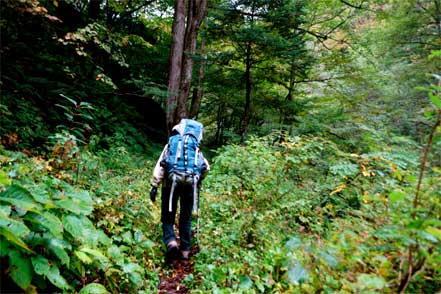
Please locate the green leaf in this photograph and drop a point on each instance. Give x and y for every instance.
(40, 195)
(49, 221)
(397, 196)
(131, 267)
(5, 211)
(78, 202)
(245, 282)
(370, 281)
(12, 238)
(57, 246)
(18, 228)
(55, 278)
(436, 99)
(115, 253)
(20, 269)
(297, 274)
(41, 265)
(69, 99)
(434, 232)
(4, 179)
(83, 257)
(19, 197)
(93, 288)
(98, 255)
(81, 228)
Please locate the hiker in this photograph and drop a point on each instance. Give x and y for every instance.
(180, 168)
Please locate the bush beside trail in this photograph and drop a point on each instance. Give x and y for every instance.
(303, 216)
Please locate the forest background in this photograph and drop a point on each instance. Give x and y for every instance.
(322, 123)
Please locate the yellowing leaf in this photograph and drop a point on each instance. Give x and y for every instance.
(4, 179)
(338, 189)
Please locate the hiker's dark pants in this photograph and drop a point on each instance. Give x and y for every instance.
(185, 196)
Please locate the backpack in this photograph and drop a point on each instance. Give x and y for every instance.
(183, 162)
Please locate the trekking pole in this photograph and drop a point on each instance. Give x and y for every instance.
(198, 215)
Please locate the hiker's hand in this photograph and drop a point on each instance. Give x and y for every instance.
(153, 192)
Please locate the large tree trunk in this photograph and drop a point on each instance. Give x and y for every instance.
(198, 91)
(196, 13)
(176, 53)
(181, 57)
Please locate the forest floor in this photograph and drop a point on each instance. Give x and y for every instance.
(171, 279)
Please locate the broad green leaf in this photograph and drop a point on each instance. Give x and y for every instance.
(115, 253)
(435, 54)
(434, 232)
(41, 265)
(76, 205)
(297, 274)
(19, 197)
(245, 282)
(40, 194)
(55, 278)
(98, 255)
(69, 204)
(103, 239)
(49, 221)
(4, 179)
(344, 169)
(71, 224)
(81, 228)
(435, 99)
(13, 239)
(370, 281)
(83, 257)
(17, 227)
(127, 237)
(93, 288)
(57, 246)
(5, 211)
(20, 269)
(131, 267)
(397, 196)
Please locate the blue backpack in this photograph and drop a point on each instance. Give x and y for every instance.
(183, 162)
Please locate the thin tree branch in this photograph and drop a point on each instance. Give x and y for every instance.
(360, 6)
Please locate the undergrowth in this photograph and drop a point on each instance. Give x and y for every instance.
(302, 216)
(278, 215)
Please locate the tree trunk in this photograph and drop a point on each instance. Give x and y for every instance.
(198, 91)
(248, 87)
(196, 13)
(181, 57)
(176, 53)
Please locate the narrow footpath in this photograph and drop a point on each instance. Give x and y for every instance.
(171, 280)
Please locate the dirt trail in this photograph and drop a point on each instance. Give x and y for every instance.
(171, 280)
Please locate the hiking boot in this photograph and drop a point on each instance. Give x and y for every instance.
(172, 251)
(185, 255)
